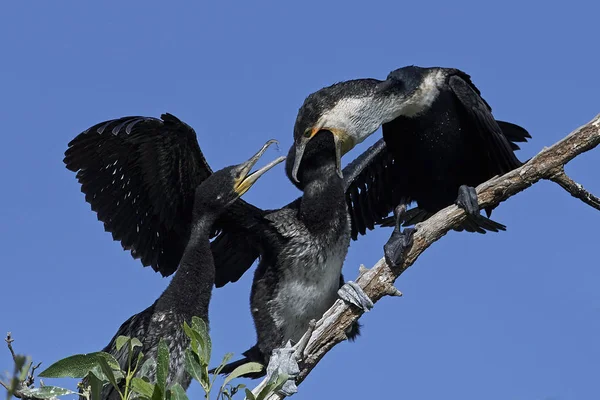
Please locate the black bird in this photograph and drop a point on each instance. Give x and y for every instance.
(439, 141)
(302, 247)
(139, 175)
(189, 292)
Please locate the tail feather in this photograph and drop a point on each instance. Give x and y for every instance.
(514, 133)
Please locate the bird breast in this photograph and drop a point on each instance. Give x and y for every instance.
(309, 284)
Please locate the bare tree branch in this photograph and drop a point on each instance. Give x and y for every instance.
(378, 281)
(20, 387)
(576, 189)
(9, 341)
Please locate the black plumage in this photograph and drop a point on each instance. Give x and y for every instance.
(142, 193)
(189, 292)
(301, 246)
(439, 136)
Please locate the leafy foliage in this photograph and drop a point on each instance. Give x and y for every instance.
(100, 369)
(79, 365)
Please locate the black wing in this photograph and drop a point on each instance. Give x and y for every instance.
(372, 193)
(238, 244)
(369, 183)
(139, 174)
(499, 149)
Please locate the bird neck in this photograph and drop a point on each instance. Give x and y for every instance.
(190, 290)
(323, 195)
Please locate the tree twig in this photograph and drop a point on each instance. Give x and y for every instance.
(18, 387)
(576, 189)
(9, 341)
(377, 281)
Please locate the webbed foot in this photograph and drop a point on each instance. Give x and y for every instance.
(400, 241)
(353, 293)
(467, 199)
(284, 361)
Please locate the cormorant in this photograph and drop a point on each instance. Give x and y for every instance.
(439, 141)
(302, 249)
(189, 292)
(140, 180)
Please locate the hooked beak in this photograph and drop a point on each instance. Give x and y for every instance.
(247, 179)
(342, 145)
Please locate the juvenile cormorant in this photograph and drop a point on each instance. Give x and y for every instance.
(139, 175)
(189, 292)
(302, 249)
(439, 140)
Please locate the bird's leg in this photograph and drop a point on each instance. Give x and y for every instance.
(284, 361)
(400, 241)
(467, 199)
(353, 293)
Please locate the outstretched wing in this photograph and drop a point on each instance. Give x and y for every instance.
(371, 189)
(499, 149)
(139, 174)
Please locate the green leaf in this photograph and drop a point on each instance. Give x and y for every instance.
(135, 342)
(162, 365)
(97, 372)
(275, 383)
(224, 362)
(200, 326)
(242, 370)
(78, 366)
(148, 366)
(193, 337)
(178, 393)
(224, 393)
(96, 379)
(141, 387)
(121, 340)
(24, 368)
(140, 357)
(113, 376)
(158, 393)
(249, 395)
(192, 365)
(46, 392)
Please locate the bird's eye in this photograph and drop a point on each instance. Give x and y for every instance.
(307, 133)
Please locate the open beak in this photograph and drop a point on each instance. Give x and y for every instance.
(338, 139)
(247, 179)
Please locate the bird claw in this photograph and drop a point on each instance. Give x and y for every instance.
(284, 360)
(353, 293)
(400, 241)
(467, 199)
(397, 246)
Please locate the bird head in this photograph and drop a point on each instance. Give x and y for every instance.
(318, 152)
(225, 186)
(339, 109)
(353, 110)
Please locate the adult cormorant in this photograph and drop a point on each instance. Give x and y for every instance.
(439, 141)
(139, 175)
(189, 292)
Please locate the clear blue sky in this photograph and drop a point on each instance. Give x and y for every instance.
(514, 315)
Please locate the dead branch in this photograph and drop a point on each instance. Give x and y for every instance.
(378, 281)
(17, 387)
(575, 189)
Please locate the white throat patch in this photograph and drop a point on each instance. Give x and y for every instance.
(359, 117)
